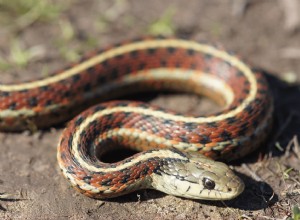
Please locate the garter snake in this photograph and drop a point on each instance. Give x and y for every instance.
(175, 148)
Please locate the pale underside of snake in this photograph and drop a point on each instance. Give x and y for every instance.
(175, 147)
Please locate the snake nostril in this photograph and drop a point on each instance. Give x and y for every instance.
(229, 189)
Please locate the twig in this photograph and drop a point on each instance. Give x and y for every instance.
(253, 174)
(296, 147)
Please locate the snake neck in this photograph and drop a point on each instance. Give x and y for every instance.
(106, 180)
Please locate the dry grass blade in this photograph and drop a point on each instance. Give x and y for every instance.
(8, 197)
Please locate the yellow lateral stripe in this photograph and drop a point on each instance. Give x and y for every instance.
(155, 74)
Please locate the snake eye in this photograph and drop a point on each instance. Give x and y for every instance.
(208, 183)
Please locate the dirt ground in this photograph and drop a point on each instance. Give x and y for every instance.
(37, 40)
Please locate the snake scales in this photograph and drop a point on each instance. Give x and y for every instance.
(172, 144)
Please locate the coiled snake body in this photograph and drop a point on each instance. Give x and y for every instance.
(172, 144)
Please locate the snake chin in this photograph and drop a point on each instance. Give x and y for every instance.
(198, 177)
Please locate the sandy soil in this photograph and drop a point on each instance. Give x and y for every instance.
(31, 185)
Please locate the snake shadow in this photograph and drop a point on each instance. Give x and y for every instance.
(286, 114)
(286, 117)
(256, 196)
(260, 195)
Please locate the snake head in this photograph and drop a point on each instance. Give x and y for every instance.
(197, 177)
